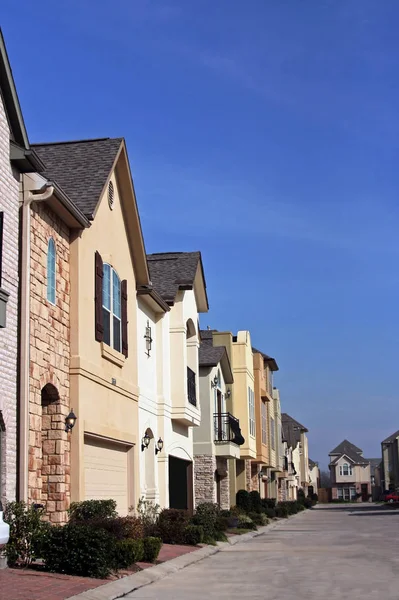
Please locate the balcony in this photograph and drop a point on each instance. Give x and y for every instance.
(228, 437)
(191, 389)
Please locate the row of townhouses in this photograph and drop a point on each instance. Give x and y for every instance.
(109, 388)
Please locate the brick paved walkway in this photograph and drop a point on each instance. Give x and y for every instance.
(27, 584)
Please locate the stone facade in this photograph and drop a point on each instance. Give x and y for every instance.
(49, 445)
(204, 478)
(248, 475)
(9, 205)
(224, 483)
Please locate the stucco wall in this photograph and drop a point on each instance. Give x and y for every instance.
(9, 199)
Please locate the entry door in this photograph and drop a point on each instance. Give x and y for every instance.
(180, 483)
(365, 492)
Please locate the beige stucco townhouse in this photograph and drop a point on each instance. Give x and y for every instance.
(349, 473)
(297, 440)
(87, 261)
(16, 158)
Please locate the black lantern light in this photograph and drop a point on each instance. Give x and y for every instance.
(148, 339)
(215, 381)
(70, 421)
(145, 442)
(159, 446)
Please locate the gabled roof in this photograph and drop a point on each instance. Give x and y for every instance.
(174, 271)
(391, 438)
(346, 446)
(211, 356)
(354, 457)
(81, 168)
(20, 152)
(270, 361)
(292, 430)
(312, 464)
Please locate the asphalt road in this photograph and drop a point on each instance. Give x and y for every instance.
(330, 552)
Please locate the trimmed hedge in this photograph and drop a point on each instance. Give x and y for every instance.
(151, 549)
(127, 552)
(172, 524)
(281, 511)
(193, 535)
(244, 501)
(207, 516)
(120, 528)
(256, 502)
(268, 503)
(92, 509)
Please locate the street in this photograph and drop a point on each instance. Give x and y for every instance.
(330, 552)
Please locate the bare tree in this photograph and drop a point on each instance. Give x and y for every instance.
(325, 479)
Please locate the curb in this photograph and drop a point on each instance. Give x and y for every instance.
(131, 583)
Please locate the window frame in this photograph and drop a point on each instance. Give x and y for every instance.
(51, 290)
(348, 469)
(264, 423)
(272, 433)
(251, 405)
(110, 277)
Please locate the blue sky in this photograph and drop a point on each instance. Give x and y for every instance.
(265, 134)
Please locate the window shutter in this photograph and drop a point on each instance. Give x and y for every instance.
(1, 245)
(124, 317)
(98, 298)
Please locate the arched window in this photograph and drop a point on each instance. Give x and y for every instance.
(346, 469)
(112, 315)
(51, 256)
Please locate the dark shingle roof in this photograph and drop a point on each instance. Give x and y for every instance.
(374, 462)
(312, 463)
(80, 168)
(207, 335)
(171, 271)
(353, 456)
(272, 361)
(292, 430)
(391, 438)
(210, 356)
(345, 447)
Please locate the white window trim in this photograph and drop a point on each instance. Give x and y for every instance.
(111, 311)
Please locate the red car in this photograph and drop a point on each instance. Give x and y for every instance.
(391, 497)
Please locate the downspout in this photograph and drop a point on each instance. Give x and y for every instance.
(28, 196)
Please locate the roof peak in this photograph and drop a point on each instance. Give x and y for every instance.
(83, 141)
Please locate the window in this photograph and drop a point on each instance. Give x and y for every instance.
(51, 256)
(345, 469)
(264, 423)
(272, 434)
(1, 243)
(251, 402)
(270, 381)
(112, 317)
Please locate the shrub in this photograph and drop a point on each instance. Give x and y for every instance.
(243, 500)
(120, 528)
(148, 513)
(256, 501)
(270, 513)
(300, 507)
(291, 506)
(268, 503)
(259, 518)
(314, 498)
(301, 496)
(245, 522)
(27, 533)
(127, 552)
(171, 525)
(92, 509)
(307, 502)
(151, 547)
(193, 535)
(79, 550)
(207, 515)
(281, 511)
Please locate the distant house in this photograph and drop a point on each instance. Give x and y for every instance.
(349, 473)
(295, 435)
(314, 476)
(390, 462)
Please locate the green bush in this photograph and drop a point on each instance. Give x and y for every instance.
(148, 513)
(256, 501)
(314, 498)
(307, 503)
(301, 496)
(127, 552)
(120, 528)
(172, 524)
(259, 518)
(27, 533)
(291, 506)
(79, 550)
(207, 515)
(281, 511)
(151, 547)
(243, 501)
(270, 513)
(268, 503)
(245, 522)
(193, 535)
(92, 509)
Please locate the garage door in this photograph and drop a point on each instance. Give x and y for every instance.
(106, 473)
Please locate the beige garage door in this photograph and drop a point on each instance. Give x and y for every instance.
(106, 472)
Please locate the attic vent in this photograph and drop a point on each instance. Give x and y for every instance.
(111, 195)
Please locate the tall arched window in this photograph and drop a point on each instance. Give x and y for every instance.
(346, 469)
(112, 315)
(51, 256)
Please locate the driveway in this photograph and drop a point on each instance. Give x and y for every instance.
(330, 552)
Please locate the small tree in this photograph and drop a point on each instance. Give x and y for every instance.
(243, 501)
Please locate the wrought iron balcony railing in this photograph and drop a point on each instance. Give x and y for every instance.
(191, 387)
(227, 429)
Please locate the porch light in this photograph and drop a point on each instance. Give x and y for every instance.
(159, 446)
(228, 393)
(145, 442)
(70, 421)
(148, 339)
(215, 381)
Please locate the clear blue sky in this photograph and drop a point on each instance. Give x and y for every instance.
(265, 134)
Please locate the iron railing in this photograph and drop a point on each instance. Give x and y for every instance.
(227, 429)
(191, 387)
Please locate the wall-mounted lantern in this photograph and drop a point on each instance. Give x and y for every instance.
(148, 339)
(215, 381)
(70, 421)
(159, 446)
(228, 393)
(145, 441)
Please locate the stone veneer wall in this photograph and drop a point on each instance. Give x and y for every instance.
(204, 478)
(254, 477)
(248, 475)
(9, 204)
(49, 446)
(223, 466)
